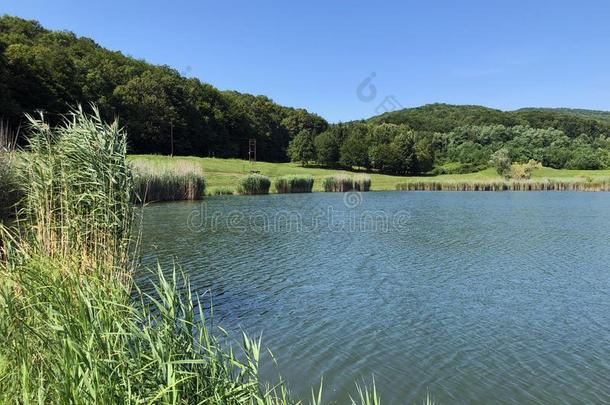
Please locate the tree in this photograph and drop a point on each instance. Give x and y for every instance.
(500, 160)
(301, 148)
(354, 150)
(327, 148)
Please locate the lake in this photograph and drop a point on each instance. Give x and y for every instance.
(477, 298)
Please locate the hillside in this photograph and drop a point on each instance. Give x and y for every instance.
(49, 70)
(447, 117)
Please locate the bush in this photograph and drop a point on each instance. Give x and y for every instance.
(523, 171)
(254, 184)
(338, 183)
(294, 184)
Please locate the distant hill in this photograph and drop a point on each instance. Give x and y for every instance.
(447, 117)
(602, 116)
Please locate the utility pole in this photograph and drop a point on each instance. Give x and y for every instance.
(252, 154)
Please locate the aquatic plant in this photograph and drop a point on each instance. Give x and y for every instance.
(182, 180)
(362, 182)
(338, 183)
(294, 184)
(254, 184)
(578, 184)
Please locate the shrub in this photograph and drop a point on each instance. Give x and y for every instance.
(523, 171)
(362, 183)
(179, 180)
(338, 183)
(500, 160)
(294, 184)
(254, 184)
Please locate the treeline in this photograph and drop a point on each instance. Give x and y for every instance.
(52, 71)
(444, 139)
(399, 149)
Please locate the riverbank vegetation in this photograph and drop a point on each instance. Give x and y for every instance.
(294, 184)
(73, 326)
(254, 184)
(167, 182)
(225, 173)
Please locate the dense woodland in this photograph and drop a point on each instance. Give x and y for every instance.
(49, 71)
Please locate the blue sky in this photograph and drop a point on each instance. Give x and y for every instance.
(314, 54)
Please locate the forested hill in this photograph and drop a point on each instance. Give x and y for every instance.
(51, 71)
(446, 117)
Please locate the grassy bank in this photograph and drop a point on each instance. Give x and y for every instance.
(225, 173)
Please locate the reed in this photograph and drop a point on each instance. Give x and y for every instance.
(173, 182)
(294, 184)
(362, 182)
(10, 191)
(254, 184)
(579, 184)
(338, 183)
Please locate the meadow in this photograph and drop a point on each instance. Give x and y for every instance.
(225, 174)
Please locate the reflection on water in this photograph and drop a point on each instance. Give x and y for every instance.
(476, 297)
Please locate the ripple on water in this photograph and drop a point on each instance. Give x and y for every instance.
(478, 298)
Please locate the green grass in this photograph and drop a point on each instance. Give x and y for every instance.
(227, 172)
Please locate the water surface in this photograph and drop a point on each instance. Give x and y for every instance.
(477, 297)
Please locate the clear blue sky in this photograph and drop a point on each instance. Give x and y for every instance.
(314, 54)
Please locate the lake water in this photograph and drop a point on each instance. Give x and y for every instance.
(477, 298)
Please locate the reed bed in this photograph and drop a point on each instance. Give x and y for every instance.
(182, 180)
(294, 184)
(601, 184)
(338, 183)
(362, 183)
(254, 184)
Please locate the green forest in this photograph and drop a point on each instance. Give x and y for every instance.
(166, 113)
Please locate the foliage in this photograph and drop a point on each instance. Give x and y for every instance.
(48, 70)
(500, 160)
(523, 171)
(254, 184)
(221, 191)
(294, 184)
(302, 148)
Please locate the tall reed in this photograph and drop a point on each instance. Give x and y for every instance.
(294, 184)
(182, 180)
(362, 182)
(10, 190)
(602, 184)
(342, 183)
(254, 184)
